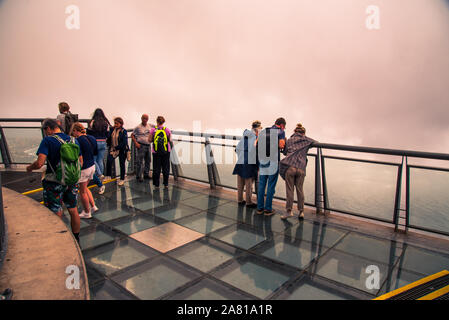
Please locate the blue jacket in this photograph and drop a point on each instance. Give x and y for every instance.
(246, 150)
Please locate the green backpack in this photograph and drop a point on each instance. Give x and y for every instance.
(68, 171)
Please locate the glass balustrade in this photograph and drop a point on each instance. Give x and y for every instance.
(362, 188)
(352, 186)
(22, 143)
(429, 199)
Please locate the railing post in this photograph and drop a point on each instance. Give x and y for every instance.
(6, 156)
(324, 187)
(407, 195)
(318, 181)
(397, 201)
(2, 228)
(211, 167)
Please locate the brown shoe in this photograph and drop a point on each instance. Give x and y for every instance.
(259, 211)
(269, 212)
(301, 215)
(289, 214)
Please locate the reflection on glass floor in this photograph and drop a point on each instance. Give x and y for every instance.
(184, 244)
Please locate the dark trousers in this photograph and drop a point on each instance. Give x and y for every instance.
(161, 162)
(110, 160)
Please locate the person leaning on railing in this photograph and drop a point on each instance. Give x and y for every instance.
(293, 169)
(246, 166)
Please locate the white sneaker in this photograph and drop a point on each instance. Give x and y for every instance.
(93, 209)
(85, 215)
(121, 182)
(102, 188)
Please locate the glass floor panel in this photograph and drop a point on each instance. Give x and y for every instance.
(316, 232)
(144, 203)
(348, 270)
(106, 215)
(233, 211)
(205, 254)
(369, 248)
(180, 195)
(107, 290)
(434, 262)
(166, 237)
(255, 276)
(156, 278)
(399, 278)
(315, 289)
(134, 224)
(205, 222)
(95, 236)
(208, 289)
(204, 202)
(243, 256)
(296, 253)
(175, 212)
(114, 257)
(240, 235)
(123, 194)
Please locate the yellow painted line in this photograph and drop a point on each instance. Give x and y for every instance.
(412, 285)
(435, 294)
(33, 191)
(90, 187)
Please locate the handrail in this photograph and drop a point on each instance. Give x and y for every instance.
(321, 193)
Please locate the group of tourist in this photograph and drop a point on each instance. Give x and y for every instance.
(257, 161)
(75, 156)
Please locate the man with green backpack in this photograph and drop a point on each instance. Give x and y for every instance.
(60, 183)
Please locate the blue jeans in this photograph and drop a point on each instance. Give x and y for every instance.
(271, 180)
(97, 181)
(99, 158)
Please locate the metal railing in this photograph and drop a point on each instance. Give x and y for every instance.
(3, 234)
(399, 217)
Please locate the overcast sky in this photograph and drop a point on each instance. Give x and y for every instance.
(229, 62)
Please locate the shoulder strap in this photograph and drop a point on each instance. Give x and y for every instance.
(59, 139)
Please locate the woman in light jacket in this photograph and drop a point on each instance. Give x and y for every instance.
(246, 167)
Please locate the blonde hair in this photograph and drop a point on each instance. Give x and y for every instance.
(78, 126)
(299, 128)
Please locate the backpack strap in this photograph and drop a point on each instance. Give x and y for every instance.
(61, 141)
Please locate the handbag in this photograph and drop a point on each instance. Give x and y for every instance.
(283, 169)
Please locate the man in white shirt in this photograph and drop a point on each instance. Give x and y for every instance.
(140, 137)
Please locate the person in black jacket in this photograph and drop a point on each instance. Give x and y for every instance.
(117, 147)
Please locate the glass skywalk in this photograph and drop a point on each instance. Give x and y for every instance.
(186, 242)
